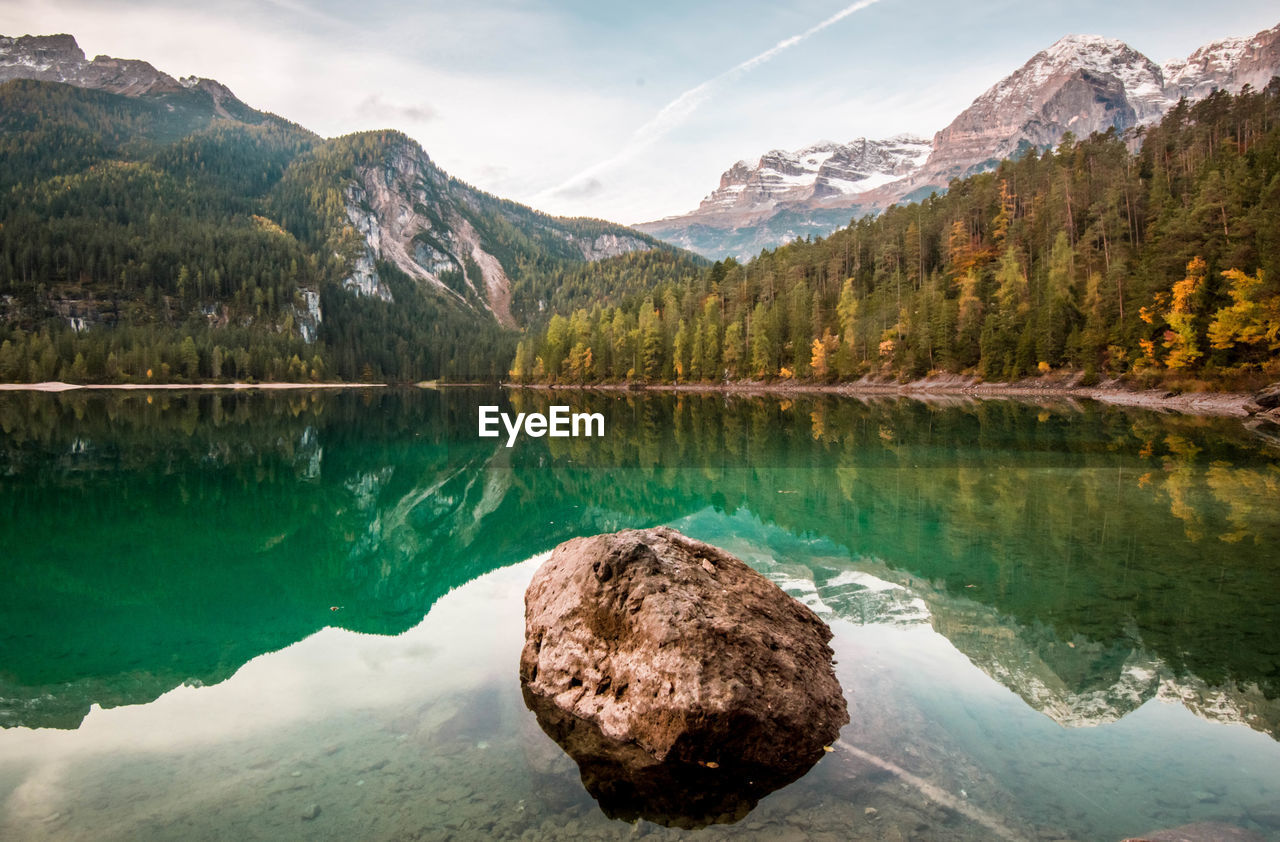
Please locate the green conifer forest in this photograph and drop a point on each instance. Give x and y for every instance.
(1154, 255)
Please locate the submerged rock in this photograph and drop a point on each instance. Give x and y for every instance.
(684, 684)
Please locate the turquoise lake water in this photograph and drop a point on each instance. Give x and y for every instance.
(299, 615)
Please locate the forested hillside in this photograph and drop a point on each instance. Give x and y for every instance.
(1163, 262)
(173, 238)
(131, 238)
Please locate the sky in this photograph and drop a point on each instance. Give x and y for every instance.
(618, 110)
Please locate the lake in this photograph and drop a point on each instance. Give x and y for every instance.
(299, 615)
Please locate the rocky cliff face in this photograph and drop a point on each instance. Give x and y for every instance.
(397, 207)
(1081, 84)
(605, 246)
(1228, 65)
(449, 236)
(1085, 84)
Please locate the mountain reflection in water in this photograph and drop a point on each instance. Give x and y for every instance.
(1101, 566)
(1087, 557)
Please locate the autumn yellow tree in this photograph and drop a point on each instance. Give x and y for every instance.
(1181, 339)
(580, 360)
(820, 354)
(1251, 323)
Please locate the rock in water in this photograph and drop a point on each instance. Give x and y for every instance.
(685, 684)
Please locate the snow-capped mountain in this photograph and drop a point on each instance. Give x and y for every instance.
(785, 195)
(824, 169)
(1085, 84)
(1229, 65)
(1081, 84)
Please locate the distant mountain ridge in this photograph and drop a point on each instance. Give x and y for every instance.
(817, 171)
(58, 58)
(757, 198)
(1080, 84)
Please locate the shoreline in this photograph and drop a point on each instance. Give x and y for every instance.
(59, 386)
(1231, 404)
(1234, 404)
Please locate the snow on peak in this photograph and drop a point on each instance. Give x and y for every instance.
(820, 169)
(1093, 54)
(1096, 54)
(1212, 62)
(1076, 44)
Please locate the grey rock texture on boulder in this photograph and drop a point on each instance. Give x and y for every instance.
(675, 675)
(1268, 398)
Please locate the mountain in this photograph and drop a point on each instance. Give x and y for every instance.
(1111, 258)
(450, 238)
(757, 196)
(818, 171)
(1229, 65)
(215, 240)
(58, 58)
(1081, 84)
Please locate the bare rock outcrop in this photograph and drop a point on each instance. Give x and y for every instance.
(1268, 398)
(58, 58)
(685, 684)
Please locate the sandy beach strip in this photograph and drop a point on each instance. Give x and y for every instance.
(58, 386)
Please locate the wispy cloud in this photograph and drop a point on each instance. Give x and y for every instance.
(376, 108)
(682, 107)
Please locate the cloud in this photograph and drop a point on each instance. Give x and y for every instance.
(376, 108)
(682, 107)
(581, 189)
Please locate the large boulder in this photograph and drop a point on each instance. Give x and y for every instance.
(685, 684)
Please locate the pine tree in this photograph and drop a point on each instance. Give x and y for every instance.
(764, 350)
(680, 351)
